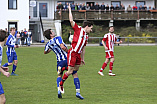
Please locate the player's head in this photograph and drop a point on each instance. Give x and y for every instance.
(49, 34)
(12, 30)
(88, 26)
(3, 35)
(111, 29)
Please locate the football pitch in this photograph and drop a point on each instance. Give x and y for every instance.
(135, 81)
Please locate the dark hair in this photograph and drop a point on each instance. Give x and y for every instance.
(12, 28)
(3, 35)
(47, 34)
(87, 23)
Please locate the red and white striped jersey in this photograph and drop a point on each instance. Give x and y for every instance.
(79, 39)
(110, 39)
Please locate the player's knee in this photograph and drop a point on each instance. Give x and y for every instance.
(10, 64)
(15, 62)
(3, 99)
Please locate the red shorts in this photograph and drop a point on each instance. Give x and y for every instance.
(73, 58)
(109, 54)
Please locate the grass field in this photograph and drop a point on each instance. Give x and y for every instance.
(135, 81)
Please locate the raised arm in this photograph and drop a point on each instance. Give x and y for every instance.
(63, 47)
(70, 16)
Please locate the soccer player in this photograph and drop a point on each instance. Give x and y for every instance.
(11, 54)
(77, 50)
(2, 69)
(110, 39)
(57, 45)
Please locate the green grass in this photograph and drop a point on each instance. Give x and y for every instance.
(135, 81)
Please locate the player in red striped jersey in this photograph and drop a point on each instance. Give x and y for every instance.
(110, 40)
(76, 53)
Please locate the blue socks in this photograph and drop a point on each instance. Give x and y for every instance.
(14, 68)
(58, 80)
(77, 83)
(5, 65)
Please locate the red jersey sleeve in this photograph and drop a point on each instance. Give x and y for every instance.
(105, 37)
(76, 27)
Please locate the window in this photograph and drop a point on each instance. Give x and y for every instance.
(12, 4)
(114, 3)
(138, 3)
(12, 24)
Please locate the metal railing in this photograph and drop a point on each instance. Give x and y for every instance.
(127, 40)
(106, 15)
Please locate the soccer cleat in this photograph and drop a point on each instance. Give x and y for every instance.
(59, 94)
(61, 89)
(111, 74)
(100, 73)
(59, 70)
(13, 74)
(78, 95)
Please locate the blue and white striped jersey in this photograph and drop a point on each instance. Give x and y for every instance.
(10, 43)
(1, 51)
(54, 44)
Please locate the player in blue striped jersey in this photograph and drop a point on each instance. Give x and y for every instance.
(2, 69)
(11, 54)
(57, 45)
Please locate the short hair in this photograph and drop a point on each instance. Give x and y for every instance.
(3, 35)
(87, 23)
(12, 28)
(47, 33)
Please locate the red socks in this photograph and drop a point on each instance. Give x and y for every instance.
(103, 66)
(65, 76)
(111, 66)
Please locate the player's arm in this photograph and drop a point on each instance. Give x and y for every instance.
(82, 55)
(7, 74)
(8, 42)
(118, 42)
(63, 47)
(70, 16)
(46, 52)
(103, 42)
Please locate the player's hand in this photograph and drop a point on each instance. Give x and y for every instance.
(121, 41)
(82, 62)
(5, 68)
(7, 74)
(69, 7)
(16, 46)
(106, 48)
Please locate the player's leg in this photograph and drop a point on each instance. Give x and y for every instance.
(10, 60)
(111, 67)
(100, 72)
(15, 64)
(59, 78)
(77, 84)
(2, 96)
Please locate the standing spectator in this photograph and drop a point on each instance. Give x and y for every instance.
(140, 8)
(72, 6)
(134, 7)
(57, 7)
(66, 6)
(22, 34)
(117, 7)
(87, 7)
(118, 38)
(60, 6)
(122, 7)
(80, 6)
(129, 8)
(25, 36)
(29, 37)
(150, 8)
(144, 7)
(112, 7)
(153, 8)
(18, 38)
(76, 6)
(83, 6)
(107, 7)
(97, 7)
(92, 6)
(110, 40)
(102, 7)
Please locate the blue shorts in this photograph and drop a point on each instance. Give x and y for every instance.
(11, 57)
(64, 64)
(1, 89)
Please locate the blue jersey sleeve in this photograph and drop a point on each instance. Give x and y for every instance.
(8, 43)
(47, 47)
(59, 40)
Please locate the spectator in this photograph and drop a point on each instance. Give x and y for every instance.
(72, 6)
(7, 31)
(117, 7)
(25, 35)
(66, 6)
(83, 6)
(76, 6)
(129, 8)
(140, 8)
(112, 7)
(145, 7)
(92, 7)
(102, 7)
(80, 6)
(57, 8)
(134, 7)
(70, 36)
(107, 7)
(118, 38)
(122, 7)
(60, 6)
(18, 38)
(153, 8)
(22, 34)
(29, 37)
(87, 7)
(150, 8)
(97, 7)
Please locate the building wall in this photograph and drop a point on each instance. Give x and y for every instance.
(19, 15)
